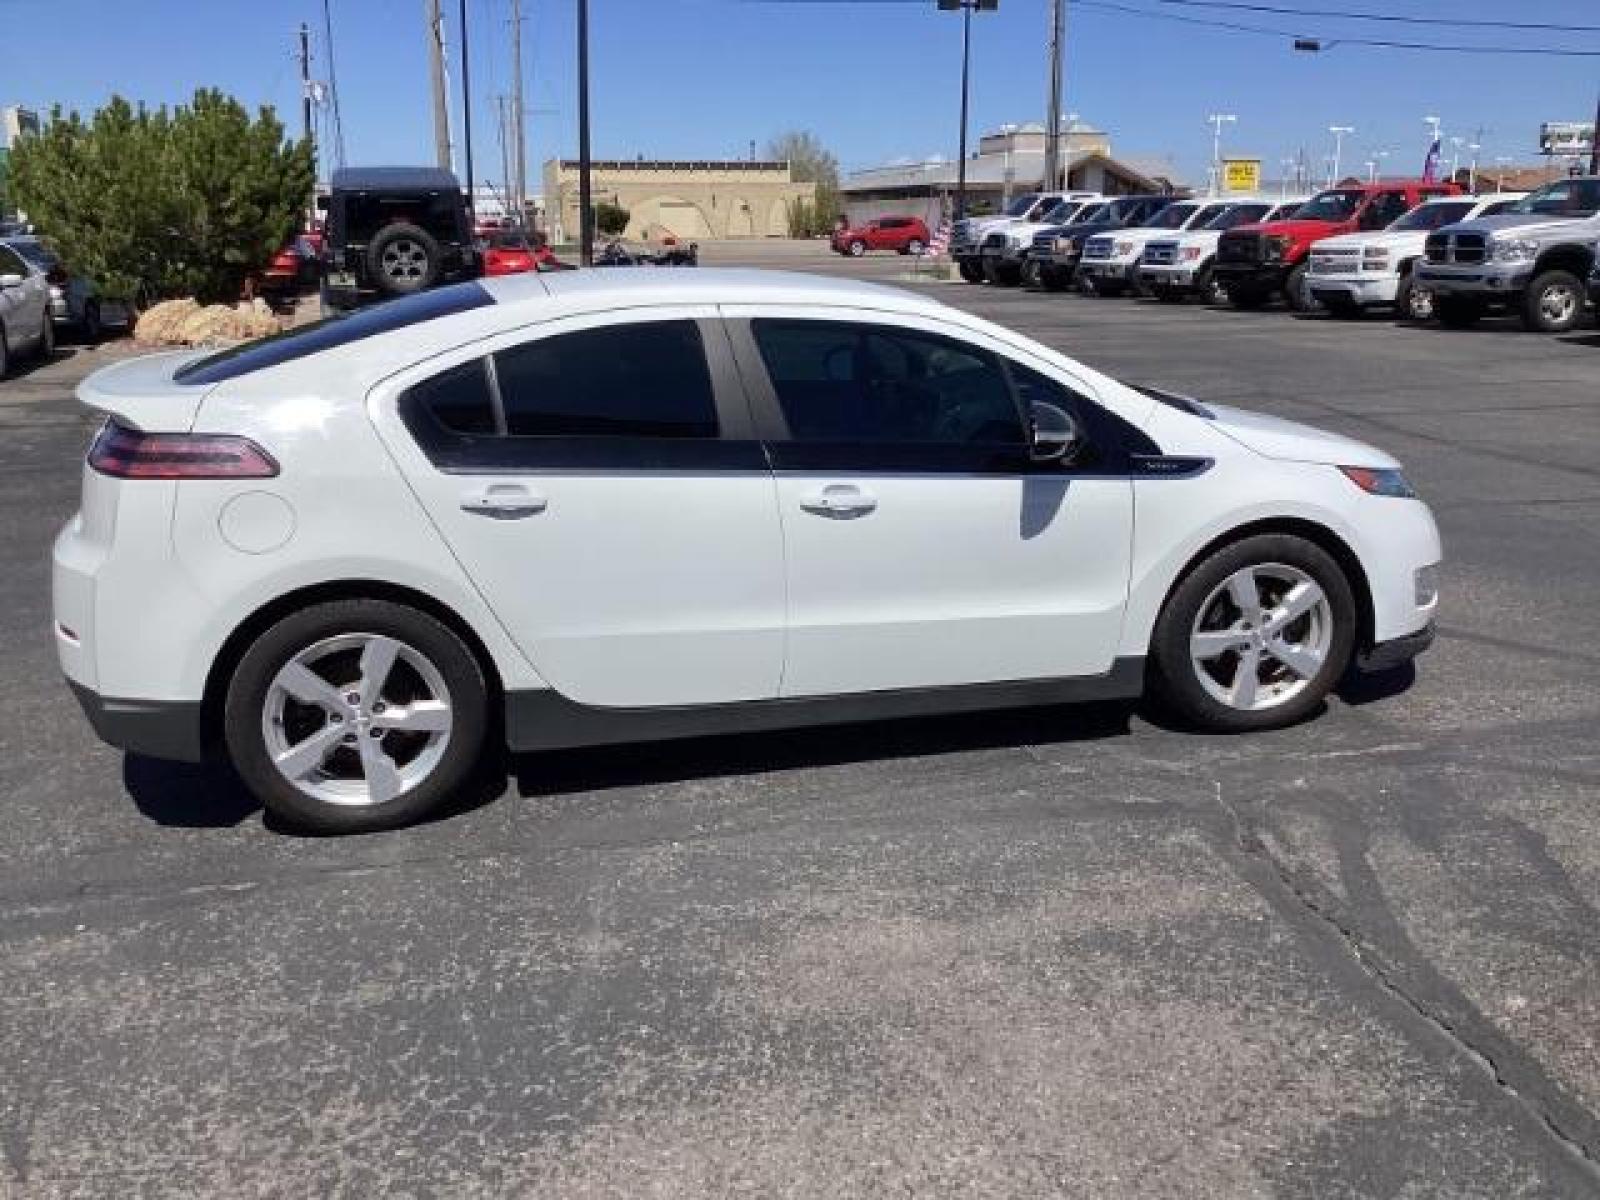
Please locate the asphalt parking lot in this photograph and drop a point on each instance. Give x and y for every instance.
(1059, 952)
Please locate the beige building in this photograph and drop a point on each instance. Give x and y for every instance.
(687, 200)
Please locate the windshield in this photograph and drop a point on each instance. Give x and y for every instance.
(1171, 217)
(1237, 214)
(1061, 213)
(1329, 206)
(1434, 216)
(1090, 212)
(1564, 198)
(1020, 206)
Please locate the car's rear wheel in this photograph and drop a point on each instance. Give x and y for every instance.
(1553, 302)
(355, 715)
(402, 259)
(1254, 636)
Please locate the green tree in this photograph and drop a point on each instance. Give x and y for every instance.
(810, 162)
(153, 204)
(611, 219)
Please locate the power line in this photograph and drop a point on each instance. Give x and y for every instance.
(1329, 43)
(1447, 22)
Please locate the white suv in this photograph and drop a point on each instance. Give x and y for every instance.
(1173, 268)
(1111, 260)
(1363, 270)
(570, 509)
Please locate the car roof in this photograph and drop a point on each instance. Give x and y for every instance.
(629, 286)
(383, 179)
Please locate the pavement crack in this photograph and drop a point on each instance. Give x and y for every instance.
(1372, 965)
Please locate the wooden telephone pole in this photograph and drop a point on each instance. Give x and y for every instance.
(441, 102)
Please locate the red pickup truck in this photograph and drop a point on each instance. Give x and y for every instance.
(1256, 261)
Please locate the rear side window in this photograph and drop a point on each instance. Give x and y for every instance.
(334, 331)
(458, 400)
(646, 380)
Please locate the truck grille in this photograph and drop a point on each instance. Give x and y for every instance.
(1456, 247)
(1335, 260)
(1160, 254)
(961, 235)
(1099, 247)
(1239, 248)
(1044, 242)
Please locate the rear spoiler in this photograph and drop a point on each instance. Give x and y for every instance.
(141, 392)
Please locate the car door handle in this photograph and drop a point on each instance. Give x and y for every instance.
(839, 500)
(504, 502)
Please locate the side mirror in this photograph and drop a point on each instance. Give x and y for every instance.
(10, 281)
(1054, 436)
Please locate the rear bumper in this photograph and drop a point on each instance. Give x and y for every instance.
(168, 729)
(1385, 656)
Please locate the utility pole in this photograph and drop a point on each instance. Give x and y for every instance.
(466, 113)
(1594, 140)
(966, 7)
(441, 104)
(1052, 125)
(505, 143)
(585, 190)
(518, 180)
(305, 80)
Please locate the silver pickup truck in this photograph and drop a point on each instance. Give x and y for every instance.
(1532, 259)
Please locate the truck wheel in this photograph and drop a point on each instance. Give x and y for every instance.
(1458, 312)
(1247, 295)
(1296, 294)
(1553, 302)
(1136, 286)
(403, 259)
(1030, 274)
(970, 271)
(1209, 288)
(1413, 302)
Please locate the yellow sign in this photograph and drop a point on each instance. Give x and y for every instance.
(1241, 174)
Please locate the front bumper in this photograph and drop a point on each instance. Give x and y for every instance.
(1165, 278)
(1005, 256)
(1480, 279)
(1385, 656)
(168, 729)
(1260, 275)
(1106, 269)
(1357, 289)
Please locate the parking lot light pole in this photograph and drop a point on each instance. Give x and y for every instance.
(967, 7)
(585, 190)
(1338, 132)
(1217, 121)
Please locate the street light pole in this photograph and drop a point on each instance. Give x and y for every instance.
(1338, 132)
(967, 7)
(1217, 121)
(585, 190)
(466, 112)
(1052, 127)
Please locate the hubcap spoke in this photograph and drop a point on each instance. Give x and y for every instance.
(423, 716)
(377, 660)
(1246, 679)
(1246, 595)
(1301, 599)
(1304, 663)
(1215, 643)
(306, 686)
(307, 755)
(383, 779)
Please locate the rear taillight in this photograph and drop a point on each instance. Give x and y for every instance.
(125, 453)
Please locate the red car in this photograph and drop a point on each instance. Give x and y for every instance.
(903, 235)
(293, 269)
(507, 254)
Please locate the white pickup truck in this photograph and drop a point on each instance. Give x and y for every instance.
(1110, 263)
(1005, 250)
(967, 235)
(1175, 267)
(1355, 271)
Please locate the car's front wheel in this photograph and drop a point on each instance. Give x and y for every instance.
(355, 715)
(1255, 636)
(857, 248)
(915, 247)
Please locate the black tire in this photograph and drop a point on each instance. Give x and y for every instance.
(1173, 674)
(1030, 273)
(856, 248)
(5, 354)
(1053, 279)
(91, 330)
(1208, 288)
(1458, 312)
(1136, 286)
(244, 713)
(1247, 295)
(1553, 302)
(1295, 293)
(915, 247)
(46, 348)
(970, 271)
(403, 259)
(1411, 302)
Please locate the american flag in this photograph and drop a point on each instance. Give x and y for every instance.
(1430, 165)
(940, 245)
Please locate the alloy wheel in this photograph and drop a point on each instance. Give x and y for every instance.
(1558, 303)
(405, 259)
(1262, 635)
(357, 719)
(1419, 303)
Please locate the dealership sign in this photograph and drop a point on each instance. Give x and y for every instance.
(1241, 174)
(1566, 137)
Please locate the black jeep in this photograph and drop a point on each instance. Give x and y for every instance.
(392, 231)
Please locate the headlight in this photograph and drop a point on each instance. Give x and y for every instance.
(1379, 481)
(1064, 246)
(1513, 250)
(1123, 249)
(1189, 253)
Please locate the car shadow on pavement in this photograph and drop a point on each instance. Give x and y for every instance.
(1368, 687)
(559, 772)
(24, 365)
(187, 795)
(1591, 340)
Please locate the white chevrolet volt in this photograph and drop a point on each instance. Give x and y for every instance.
(571, 509)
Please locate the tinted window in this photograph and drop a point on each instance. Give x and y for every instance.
(642, 380)
(1565, 198)
(1385, 210)
(334, 331)
(1238, 214)
(1173, 216)
(844, 383)
(1434, 216)
(1330, 206)
(10, 263)
(458, 399)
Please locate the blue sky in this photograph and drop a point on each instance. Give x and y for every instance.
(876, 80)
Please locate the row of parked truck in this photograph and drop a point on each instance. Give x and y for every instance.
(1420, 247)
